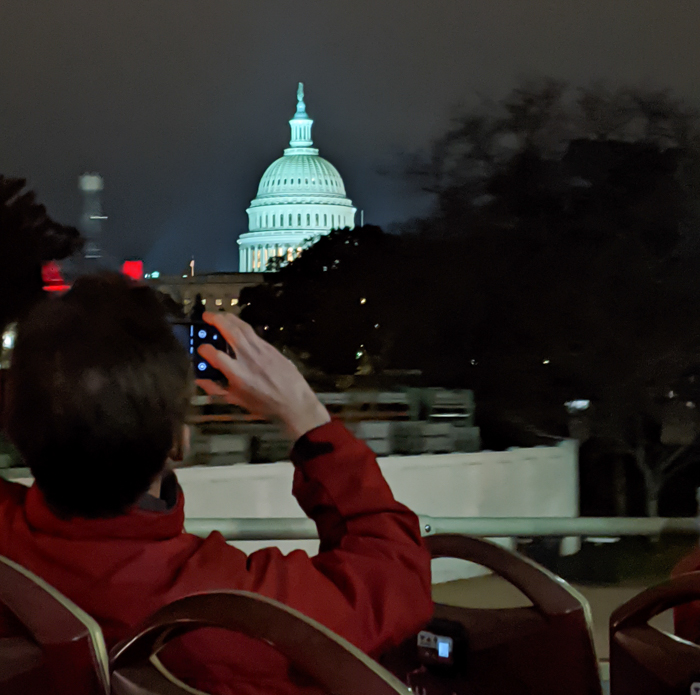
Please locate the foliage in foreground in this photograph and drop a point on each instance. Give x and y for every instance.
(28, 239)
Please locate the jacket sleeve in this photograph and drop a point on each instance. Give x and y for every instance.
(370, 581)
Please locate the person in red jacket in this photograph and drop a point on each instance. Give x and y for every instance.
(97, 395)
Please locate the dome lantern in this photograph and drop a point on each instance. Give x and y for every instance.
(301, 123)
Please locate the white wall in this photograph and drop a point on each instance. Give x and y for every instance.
(523, 482)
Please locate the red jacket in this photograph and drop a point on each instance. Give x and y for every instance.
(370, 582)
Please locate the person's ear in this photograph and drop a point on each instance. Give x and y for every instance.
(181, 444)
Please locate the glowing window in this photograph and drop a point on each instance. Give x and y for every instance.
(298, 251)
(219, 302)
(290, 254)
(204, 302)
(234, 302)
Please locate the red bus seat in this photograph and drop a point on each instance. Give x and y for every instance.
(55, 647)
(647, 661)
(545, 648)
(336, 665)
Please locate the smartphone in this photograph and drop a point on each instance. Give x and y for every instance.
(192, 335)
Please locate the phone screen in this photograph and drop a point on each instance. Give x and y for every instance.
(204, 334)
(191, 336)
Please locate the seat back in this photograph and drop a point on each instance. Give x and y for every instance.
(546, 648)
(336, 665)
(647, 661)
(57, 647)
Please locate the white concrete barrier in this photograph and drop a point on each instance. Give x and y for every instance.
(537, 482)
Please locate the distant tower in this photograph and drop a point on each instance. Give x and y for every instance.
(91, 186)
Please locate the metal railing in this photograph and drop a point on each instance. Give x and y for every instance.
(490, 527)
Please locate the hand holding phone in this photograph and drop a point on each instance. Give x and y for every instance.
(260, 379)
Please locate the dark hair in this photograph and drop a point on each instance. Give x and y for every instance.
(98, 392)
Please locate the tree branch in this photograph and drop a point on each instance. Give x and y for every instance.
(667, 463)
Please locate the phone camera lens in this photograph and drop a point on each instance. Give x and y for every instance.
(202, 334)
(202, 366)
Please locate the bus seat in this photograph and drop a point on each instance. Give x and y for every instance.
(545, 648)
(647, 661)
(53, 646)
(336, 665)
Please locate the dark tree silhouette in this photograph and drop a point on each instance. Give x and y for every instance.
(28, 239)
(586, 212)
(314, 306)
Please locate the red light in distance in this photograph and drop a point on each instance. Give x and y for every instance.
(133, 269)
(52, 278)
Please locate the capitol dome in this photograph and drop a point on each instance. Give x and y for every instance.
(287, 175)
(301, 196)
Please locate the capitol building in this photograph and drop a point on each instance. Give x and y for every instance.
(301, 196)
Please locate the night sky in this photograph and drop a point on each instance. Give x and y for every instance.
(182, 104)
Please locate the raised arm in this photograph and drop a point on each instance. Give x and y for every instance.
(370, 582)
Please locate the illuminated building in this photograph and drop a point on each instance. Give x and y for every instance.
(301, 196)
(219, 291)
